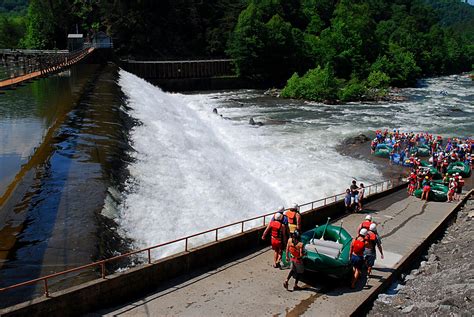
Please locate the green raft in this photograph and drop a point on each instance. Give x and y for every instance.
(438, 192)
(459, 167)
(383, 150)
(421, 150)
(329, 256)
(433, 171)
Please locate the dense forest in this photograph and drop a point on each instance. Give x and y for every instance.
(329, 49)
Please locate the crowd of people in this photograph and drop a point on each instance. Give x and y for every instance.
(354, 197)
(442, 153)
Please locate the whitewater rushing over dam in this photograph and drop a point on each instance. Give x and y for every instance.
(195, 170)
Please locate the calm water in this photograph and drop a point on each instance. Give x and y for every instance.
(63, 140)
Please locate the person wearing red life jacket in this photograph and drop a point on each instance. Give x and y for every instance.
(366, 223)
(372, 240)
(294, 254)
(357, 255)
(278, 237)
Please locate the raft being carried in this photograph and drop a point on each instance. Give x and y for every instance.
(329, 255)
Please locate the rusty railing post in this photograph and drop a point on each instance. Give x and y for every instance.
(186, 245)
(102, 268)
(149, 256)
(46, 290)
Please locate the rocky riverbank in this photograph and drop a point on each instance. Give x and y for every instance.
(442, 284)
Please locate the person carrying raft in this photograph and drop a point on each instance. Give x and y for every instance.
(278, 236)
(294, 247)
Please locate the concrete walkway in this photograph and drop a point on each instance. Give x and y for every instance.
(250, 286)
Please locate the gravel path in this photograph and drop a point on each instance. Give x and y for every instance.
(443, 283)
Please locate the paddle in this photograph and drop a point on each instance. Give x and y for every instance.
(340, 228)
(327, 222)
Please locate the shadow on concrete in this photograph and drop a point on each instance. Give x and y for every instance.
(183, 281)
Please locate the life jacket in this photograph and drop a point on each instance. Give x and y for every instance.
(291, 217)
(369, 240)
(291, 220)
(295, 251)
(358, 247)
(366, 224)
(276, 229)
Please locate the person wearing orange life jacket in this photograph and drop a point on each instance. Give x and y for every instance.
(278, 236)
(357, 255)
(294, 248)
(372, 240)
(366, 223)
(294, 218)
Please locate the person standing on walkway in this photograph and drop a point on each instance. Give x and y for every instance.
(366, 223)
(361, 192)
(372, 240)
(278, 236)
(294, 247)
(294, 218)
(357, 256)
(355, 194)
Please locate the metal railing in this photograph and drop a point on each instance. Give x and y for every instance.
(304, 208)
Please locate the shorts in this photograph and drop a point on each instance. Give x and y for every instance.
(355, 199)
(357, 261)
(370, 259)
(297, 267)
(459, 190)
(276, 245)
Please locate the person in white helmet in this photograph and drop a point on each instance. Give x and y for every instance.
(294, 218)
(357, 256)
(372, 240)
(366, 223)
(278, 237)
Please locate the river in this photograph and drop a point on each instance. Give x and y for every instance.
(95, 161)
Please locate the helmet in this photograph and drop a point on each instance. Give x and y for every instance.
(368, 217)
(363, 232)
(373, 227)
(426, 177)
(277, 216)
(294, 206)
(281, 208)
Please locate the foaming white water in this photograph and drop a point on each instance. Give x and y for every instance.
(195, 171)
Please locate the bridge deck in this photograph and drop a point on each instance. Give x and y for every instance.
(249, 285)
(51, 69)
